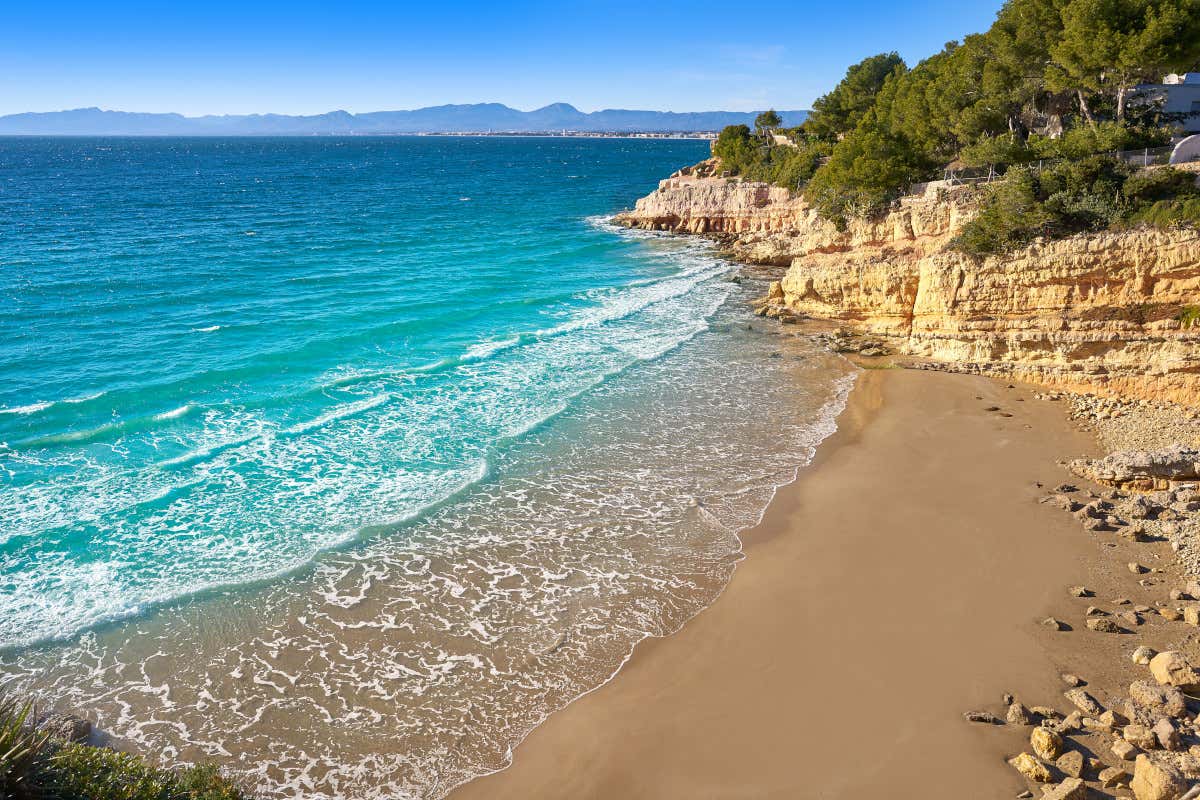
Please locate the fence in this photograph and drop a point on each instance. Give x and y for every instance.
(1145, 157)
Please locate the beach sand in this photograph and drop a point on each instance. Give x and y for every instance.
(896, 584)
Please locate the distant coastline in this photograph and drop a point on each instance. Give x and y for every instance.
(486, 119)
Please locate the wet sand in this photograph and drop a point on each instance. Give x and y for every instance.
(895, 585)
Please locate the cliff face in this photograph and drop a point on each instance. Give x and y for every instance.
(1088, 313)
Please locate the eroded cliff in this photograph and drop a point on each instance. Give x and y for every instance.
(1093, 312)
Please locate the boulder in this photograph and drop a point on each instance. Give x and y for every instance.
(1104, 625)
(1071, 764)
(1124, 750)
(1031, 768)
(1155, 780)
(1018, 714)
(64, 726)
(1113, 777)
(1162, 700)
(1143, 654)
(983, 717)
(1140, 736)
(1167, 734)
(1084, 701)
(1171, 668)
(1070, 789)
(1047, 744)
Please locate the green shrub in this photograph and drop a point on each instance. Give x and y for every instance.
(1010, 216)
(34, 766)
(1105, 137)
(1188, 316)
(21, 749)
(866, 171)
(1179, 213)
(79, 772)
(989, 150)
(1088, 194)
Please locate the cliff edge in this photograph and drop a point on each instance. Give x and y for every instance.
(1089, 313)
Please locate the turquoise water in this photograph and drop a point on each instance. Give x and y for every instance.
(308, 439)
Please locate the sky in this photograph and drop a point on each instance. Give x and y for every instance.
(297, 57)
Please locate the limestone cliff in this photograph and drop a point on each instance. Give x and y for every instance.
(1090, 313)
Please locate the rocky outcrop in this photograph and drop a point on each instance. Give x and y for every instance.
(1092, 313)
(1144, 471)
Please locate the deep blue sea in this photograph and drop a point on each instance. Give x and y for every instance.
(305, 438)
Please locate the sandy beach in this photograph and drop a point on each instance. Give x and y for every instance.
(896, 584)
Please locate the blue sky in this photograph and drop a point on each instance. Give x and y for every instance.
(368, 55)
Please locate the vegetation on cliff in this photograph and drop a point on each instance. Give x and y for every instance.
(35, 765)
(1092, 194)
(1050, 79)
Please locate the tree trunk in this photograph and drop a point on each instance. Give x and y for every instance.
(1121, 93)
(1083, 108)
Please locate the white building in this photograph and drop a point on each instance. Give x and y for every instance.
(1178, 94)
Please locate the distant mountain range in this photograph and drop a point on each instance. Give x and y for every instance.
(473, 118)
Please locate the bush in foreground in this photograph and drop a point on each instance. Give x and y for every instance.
(34, 766)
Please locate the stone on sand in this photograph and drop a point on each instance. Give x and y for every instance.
(1143, 654)
(1028, 765)
(1070, 789)
(1084, 701)
(1047, 744)
(1155, 780)
(1171, 668)
(1071, 763)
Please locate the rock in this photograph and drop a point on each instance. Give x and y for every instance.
(1084, 701)
(1104, 625)
(1070, 789)
(1056, 624)
(983, 717)
(1154, 780)
(1143, 654)
(1072, 680)
(1124, 750)
(1111, 719)
(1047, 744)
(1130, 618)
(1170, 614)
(1071, 763)
(1113, 777)
(1191, 615)
(64, 726)
(1136, 568)
(1025, 795)
(1164, 700)
(1095, 611)
(1045, 712)
(1139, 736)
(1141, 470)
(1167, 735)
(1018, 714)
(1170, 668)
(1031, 768)
(1079, 591)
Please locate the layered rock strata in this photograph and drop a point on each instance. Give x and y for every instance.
(1091, 313)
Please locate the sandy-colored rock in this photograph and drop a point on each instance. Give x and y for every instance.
(1062, 313)
(1140, 736)
(1070, 789)
(1084, 701)
(1123, 750)
(1163, 700)
(1155, 780)
(1033, 769)
(1018, 714)
(1113, 777)
(1167, 735)
(1142, 655)
(1047, 744)
(1171, 668)
(1071, 763)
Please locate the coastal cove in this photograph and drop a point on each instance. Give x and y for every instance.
(381, 457)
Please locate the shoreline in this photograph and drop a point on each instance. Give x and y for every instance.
(649, 731)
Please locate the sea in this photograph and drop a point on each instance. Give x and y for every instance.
(342, 463)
